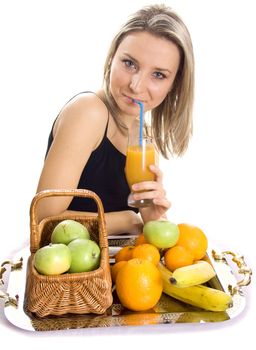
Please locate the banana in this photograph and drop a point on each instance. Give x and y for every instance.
(201, 296)
(191, 275)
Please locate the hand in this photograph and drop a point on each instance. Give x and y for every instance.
(152, 190)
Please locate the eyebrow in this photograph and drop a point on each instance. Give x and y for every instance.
(156, 68)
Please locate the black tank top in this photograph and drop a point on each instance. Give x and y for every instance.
(104, 175)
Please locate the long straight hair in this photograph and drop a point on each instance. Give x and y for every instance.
(171, 121)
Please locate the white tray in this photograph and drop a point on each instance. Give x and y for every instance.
(167, 310)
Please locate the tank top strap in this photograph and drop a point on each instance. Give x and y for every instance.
(106, 129)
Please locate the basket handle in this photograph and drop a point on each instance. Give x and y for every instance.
(60, 193)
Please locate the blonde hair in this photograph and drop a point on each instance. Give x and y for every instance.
(172, 120)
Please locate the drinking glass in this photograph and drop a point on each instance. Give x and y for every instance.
(140, 155)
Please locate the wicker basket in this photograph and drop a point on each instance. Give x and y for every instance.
(78, 293)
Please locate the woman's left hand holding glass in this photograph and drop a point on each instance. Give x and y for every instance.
(152, 190)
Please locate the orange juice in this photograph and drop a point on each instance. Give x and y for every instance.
(138, 159)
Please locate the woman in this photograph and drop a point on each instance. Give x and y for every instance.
(150, 60)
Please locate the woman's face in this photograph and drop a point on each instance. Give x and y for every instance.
(143, 68)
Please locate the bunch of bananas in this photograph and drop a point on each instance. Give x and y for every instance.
(185, 284)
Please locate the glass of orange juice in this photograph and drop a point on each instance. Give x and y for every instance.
(140, 155)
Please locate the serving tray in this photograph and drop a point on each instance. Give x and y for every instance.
(167, 310)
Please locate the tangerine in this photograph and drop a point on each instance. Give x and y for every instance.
(140, 239)
(177, 256)
(116, 268)
(124, 253)
(194, 239)
(139, 285)
(146, 251)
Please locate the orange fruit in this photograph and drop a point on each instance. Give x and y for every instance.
(140, 239)
(146, 251)
(177, 256)
(139, 285)
(194, 239)
(115, 269)
(124, 253)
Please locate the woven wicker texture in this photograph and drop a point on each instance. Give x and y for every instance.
(78, 293)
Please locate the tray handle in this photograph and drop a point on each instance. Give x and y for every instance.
(34, 228)
(243, 269)
(8, 300)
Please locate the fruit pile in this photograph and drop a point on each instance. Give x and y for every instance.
(71, 250)
(167, 258)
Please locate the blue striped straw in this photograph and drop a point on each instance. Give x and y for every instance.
(141, 119)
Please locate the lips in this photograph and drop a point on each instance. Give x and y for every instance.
(132, 99)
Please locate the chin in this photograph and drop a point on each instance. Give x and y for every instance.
(130, 111)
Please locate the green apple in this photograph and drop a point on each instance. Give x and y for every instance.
(68, 230)
(85, 255)
(52, 259)
(162, 234)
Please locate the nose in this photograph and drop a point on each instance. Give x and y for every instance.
(138, 83)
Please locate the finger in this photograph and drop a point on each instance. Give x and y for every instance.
(151, 191)
(156, 170)
(148, 195)
(147, 186)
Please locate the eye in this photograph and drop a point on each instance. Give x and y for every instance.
(159, 75)
(128, 63)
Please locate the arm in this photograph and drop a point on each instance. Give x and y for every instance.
(76, 134)
(78, 131)
(117, 222)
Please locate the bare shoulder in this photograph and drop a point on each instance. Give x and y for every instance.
(85, 114)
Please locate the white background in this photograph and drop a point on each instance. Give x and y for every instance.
(51, 50)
